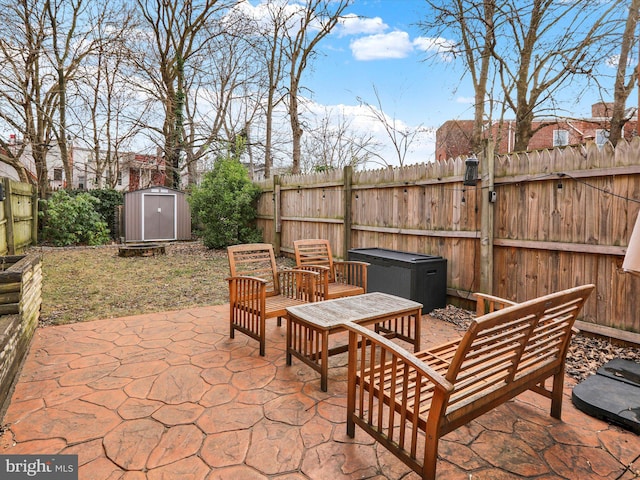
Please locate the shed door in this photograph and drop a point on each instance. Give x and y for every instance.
(159, 217)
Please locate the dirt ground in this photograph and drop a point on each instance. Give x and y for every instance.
(90, 283)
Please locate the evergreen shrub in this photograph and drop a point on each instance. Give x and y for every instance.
(223, 206)
(73, 220)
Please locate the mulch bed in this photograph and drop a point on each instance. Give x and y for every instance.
(586, 353)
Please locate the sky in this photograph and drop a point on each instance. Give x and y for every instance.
(380, 48)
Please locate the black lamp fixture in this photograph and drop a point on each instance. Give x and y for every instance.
(471, 172)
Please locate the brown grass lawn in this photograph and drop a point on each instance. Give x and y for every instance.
(83, 284)
(89, 283)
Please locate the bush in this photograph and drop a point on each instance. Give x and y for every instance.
(110, 199)
(224, 206)
(73, 220)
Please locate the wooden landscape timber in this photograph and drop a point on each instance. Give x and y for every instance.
(20, 300)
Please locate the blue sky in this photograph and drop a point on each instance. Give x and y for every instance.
(390, 57)
(381, 50)
(381, 46)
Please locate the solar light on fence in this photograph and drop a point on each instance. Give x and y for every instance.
(471, 172)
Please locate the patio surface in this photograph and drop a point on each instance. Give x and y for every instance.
(169, 395)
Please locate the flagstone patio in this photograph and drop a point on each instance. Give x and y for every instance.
(170, 395)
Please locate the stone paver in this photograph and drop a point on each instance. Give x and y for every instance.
(170, 396)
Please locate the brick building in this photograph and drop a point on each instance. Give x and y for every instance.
(453, 138)
(132, 171)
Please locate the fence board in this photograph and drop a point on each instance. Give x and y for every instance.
(18, 217)
(546, 238)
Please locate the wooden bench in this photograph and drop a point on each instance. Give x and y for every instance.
(408, 401)
(489, 303)
(258, 290)
(338, 278)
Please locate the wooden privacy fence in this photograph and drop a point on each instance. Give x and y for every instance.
(560, 218)
(18, 216)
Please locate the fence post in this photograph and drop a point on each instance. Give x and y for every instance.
(277, 220)
(8, 215)
(347, 180)
(486, 221)
(34, 215)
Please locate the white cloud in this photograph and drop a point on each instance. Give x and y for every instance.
(361, 120)
(381, 46)
(352, 24)
(441, 46)
(397, 44)
(465, 100)
(266, 11)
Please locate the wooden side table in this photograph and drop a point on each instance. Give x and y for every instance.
(309, 325)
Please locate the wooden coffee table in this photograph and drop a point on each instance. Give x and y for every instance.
(309, 325)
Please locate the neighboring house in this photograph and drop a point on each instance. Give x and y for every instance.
(453, 138)
(135, 171)
(143, 171)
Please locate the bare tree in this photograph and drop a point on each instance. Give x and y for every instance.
(176, 33)
(43, 46)
(71, 30)
(314, 21)
(107, 114)
(536, 48)
(624, 82)
(554, 41)
(334, 143)
(473, 24)
(402, 138)
(269, 44)
(211, 86)
(27, 97)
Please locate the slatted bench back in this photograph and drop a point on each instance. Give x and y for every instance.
(255, 260)
(408, 401)
(502, 352)
(314, 252)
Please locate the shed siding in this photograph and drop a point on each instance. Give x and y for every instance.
(134, 215)
(183, 218)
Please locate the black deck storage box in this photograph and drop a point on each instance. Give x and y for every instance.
(418, 277)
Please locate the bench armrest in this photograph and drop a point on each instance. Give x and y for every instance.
(248, 292)
(396, 351)
(298, 283)
(391, 394)
(489, 303)
(351, 273)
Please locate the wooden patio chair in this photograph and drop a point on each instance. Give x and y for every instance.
(258, 290)
(338, 278)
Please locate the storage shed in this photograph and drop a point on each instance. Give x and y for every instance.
(156, 214)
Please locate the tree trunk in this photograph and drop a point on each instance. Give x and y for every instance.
(621, 88)
(296, 129)
(40, 159)
(524, 120)
(481, 87)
